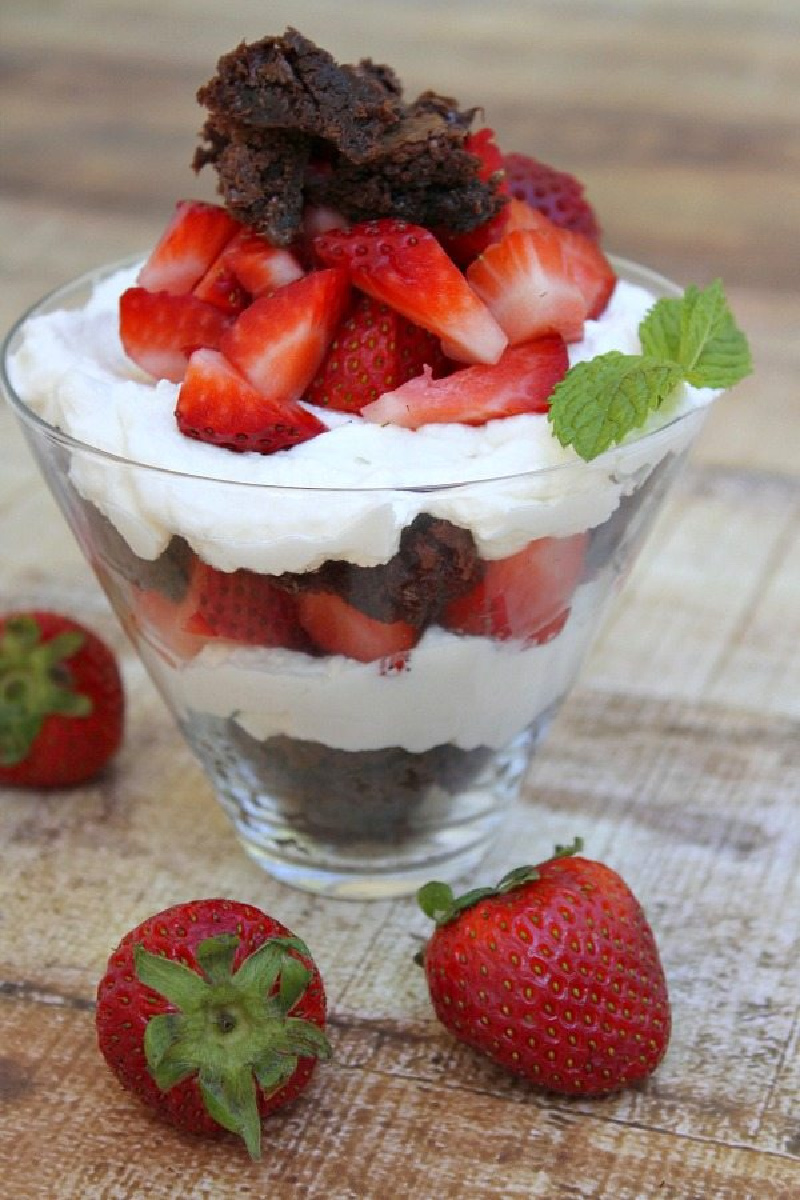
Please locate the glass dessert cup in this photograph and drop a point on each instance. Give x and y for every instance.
(347, 768)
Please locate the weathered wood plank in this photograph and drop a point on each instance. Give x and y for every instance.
(677, 755)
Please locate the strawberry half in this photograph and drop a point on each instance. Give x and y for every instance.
(160, 331)
(404, 266)
(259, 267)
(336, 627)
(525, 595)
(557, 194)
(373, 351)
(247, 607)
(521, 382)
(279, 342)
(589, 269)
(522, 279)
(218, 405)
(188, 246)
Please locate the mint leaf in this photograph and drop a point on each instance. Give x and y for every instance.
(598, 402)
(699, 333)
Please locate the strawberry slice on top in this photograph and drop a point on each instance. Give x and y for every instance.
(373, 351)
(404, 266)
(279, 342)
(159, 331)
(196, 235)
(541, 279)
(522, 280)
(521, 382)
(557, 194)
(259, 267)
(216, 404)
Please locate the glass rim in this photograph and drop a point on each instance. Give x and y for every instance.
(624, 267)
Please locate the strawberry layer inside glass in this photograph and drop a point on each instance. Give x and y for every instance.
(367, 614)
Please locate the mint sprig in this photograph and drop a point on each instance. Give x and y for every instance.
(693, 338)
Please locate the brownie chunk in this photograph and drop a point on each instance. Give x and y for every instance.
(168, 574)
(436, 562)
(288, 125)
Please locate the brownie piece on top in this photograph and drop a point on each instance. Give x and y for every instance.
(288, 126)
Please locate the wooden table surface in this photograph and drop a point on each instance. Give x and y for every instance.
(677, 757)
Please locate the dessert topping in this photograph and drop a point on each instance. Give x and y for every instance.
(217, 404)
(404, 266)
(521, 382)
(557, 194)
(374, 350)
(693, 338)
(289, 126)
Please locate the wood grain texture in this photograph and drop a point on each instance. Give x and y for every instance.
(677, 756)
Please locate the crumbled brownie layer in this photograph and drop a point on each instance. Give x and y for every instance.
(288, 126)
(436, 562)
(347, 794)
(168, 574)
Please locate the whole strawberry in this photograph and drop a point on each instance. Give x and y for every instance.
(61, 701)
(555, 193)
(212, 1012)
(554, 974)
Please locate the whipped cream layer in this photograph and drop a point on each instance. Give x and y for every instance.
(503, 687)
(70, 368)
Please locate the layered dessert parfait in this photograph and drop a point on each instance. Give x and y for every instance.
(360, 452)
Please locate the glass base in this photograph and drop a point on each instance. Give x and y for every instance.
(360, 824)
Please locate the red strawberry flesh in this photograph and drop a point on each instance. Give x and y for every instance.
(373, 351)
(194, 238)
(404, 266)
(160, 331)
(555, 193)
(279, 342)
(521, 382)
(216, 404)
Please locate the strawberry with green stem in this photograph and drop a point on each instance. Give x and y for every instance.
(554, 974)
(213, 1013)
(61, 701)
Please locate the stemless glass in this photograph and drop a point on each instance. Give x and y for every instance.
(354, 774)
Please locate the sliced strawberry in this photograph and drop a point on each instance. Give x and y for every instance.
(169, 626)
(374, 350)
(464, 247)
(279, 342)
(404, 266)
(218, 405)
(319, 218)
(160, 331)
(220, 287)
(259, 267)
(589, 269)
(336, 627)
(523, 596)
(522, 279)
(246, 607)
(520, 215)
(520, 382)
(188, 246)
(555, 193)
